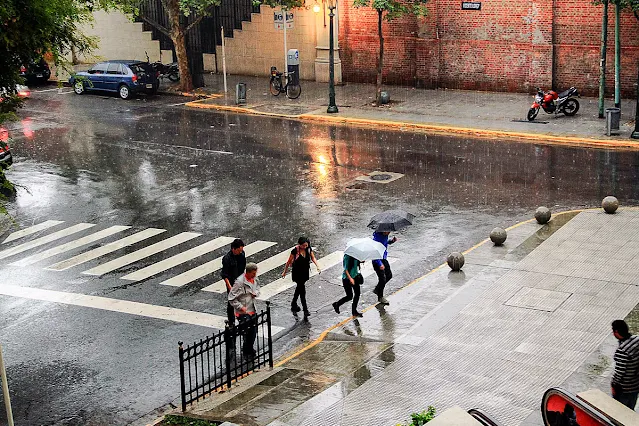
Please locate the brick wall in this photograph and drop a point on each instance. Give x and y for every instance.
(506, 46)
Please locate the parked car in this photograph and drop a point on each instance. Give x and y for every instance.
(36, 72)
(5, 154)
(126, 78)
(21, 90)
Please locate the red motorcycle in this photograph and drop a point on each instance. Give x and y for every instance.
(552, 102)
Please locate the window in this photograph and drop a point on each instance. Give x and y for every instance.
(114, 69)
(98, 69)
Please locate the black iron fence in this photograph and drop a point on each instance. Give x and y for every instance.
(216, 362)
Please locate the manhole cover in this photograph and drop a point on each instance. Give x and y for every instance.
(381, 176)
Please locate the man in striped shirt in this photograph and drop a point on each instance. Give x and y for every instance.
(625, 379)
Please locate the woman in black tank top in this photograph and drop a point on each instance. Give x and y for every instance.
(300, 259)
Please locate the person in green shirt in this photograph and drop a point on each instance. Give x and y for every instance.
(352, 279)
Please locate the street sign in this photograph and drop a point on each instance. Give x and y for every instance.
(471, 5)
(278, 20)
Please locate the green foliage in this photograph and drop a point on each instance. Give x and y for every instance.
(394, 8)
(286, 4)
(420, 419)
(179, 421)
(9, 104)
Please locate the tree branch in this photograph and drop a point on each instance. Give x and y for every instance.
(203, 15)
(156, 25)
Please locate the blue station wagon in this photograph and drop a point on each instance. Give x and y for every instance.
(126, 78)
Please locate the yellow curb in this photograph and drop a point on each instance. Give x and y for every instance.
(323, 335)
(436, 128)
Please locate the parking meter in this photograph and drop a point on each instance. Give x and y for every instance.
(293, 66)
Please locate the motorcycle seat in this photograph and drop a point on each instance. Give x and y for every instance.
(565, 93)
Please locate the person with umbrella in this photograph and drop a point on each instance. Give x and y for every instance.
(357, 251)
(383, 224)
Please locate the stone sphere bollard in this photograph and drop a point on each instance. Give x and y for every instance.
(455, 260)
(498, 236)
(543, 215)
(610, 204)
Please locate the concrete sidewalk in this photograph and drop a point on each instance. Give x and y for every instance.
(521, 318)
(488, 113)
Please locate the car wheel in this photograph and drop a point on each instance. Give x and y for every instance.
(124, 92)
(78, 87)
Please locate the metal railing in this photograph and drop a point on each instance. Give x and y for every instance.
(216, 362)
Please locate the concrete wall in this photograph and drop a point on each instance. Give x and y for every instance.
(258, 46)
(120, 38)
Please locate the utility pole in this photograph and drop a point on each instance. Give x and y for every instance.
(617, 54)
(602, 64)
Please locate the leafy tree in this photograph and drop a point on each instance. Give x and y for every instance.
(387, 10)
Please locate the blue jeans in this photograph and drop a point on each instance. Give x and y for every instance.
(629, 399)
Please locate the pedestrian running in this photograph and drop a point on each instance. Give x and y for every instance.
(300, 259)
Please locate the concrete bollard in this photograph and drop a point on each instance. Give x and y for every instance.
(610, 204)
(543, 214)
(455, 260)
(498, 236)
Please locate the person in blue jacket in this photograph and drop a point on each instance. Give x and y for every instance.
(382, 267)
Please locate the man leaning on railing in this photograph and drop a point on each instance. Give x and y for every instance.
(242, 297)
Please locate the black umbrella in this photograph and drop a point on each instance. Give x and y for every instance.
(391, 220)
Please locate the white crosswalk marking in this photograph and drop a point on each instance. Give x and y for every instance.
(45, 240)
(105, 249)
(142, 253)
(32, 230)
(368, 270)
(285, 283)
(212, 266)
(262, 268)
(122, 306)
(72, 245)
(178, 259)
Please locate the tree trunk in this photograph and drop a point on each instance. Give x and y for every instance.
(380, 63)
(179, 42)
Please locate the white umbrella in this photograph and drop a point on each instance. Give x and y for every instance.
(364, 249)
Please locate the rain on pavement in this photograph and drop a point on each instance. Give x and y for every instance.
(154, 163)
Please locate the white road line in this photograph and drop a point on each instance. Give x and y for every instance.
(368, 270)
(105, 249)
(262, 268)
(32, 230)
(178, 259)
(212, 266)
(285, 283)
(122, 306)
(72, 245)
(142, 253)
(45, 240)
(42, 91)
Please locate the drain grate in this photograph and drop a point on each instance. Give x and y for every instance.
(380, 177)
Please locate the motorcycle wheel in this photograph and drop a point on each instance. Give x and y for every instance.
(174, 77)
(532, 113)
(571, 107)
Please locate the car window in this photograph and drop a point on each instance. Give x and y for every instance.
(139, 69)
(98, 69)
(114, 69)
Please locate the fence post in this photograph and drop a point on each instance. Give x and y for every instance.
(182, 385)
(228, 341)
(5, 390)
(268, 320)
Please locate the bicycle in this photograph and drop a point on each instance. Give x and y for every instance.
(293, 91)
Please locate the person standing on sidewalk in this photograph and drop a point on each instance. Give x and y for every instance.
(301, 257)
(242, 297)
(233, 265)
(351, 280)
(625, 379)
(382, 267)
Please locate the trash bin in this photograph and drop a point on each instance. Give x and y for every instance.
(240, 94)
(613, 117)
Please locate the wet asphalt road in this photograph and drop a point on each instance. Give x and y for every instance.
(155, 163)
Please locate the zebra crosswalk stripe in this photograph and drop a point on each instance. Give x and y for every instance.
(212, 266)
(141, 254)
(72, 245)
(105, 249)
(45, 240)
(262, 268)
(32, 230)
(178, 259)
(285, 283)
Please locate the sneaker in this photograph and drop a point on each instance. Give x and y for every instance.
(383, 301)
(336, 307)
(295, 308)
(358, 314)
(306, 314)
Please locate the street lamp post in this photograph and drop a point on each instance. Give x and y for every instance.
(635, 133)
(332, 107)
